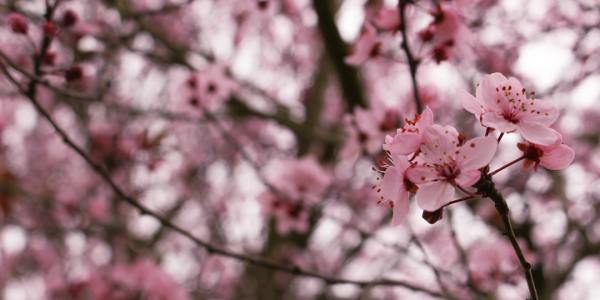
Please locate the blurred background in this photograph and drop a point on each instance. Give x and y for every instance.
(225, 149)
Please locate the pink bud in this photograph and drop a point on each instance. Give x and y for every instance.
(18, 23)
(50, 29)
(74, 73)
(70, 18)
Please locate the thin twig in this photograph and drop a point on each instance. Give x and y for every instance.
(412, 62)
(507, 165)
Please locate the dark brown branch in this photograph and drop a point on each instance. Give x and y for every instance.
(336, 48)
(486, 187)
(413, 63)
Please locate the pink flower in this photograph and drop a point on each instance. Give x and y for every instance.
(210, 88)
(291, 215)
(446, 33)
(387, 19)
(502, 104)
(447, 164)
(366, 47)
(372, 125)
(409, 138)
(491, 262)
(395, 188)
(302, 179)
(554, 157)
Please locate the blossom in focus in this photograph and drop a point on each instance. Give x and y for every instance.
(502, 104)
(409, 138)
(367, 46)
(554, 157)
(395, 187)
(446, 163)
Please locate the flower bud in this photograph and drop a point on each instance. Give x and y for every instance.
(18, 23)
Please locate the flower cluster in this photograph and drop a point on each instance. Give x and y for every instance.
(434, 161)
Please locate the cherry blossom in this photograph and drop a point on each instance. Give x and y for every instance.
(448, 163)
(502, 104)
(18, 23)
(395, 187)
(409, 138)
(387, 19)
(367, 46)
(557, 156)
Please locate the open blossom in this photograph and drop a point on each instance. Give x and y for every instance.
(395, 187)
(447, 163)
(409, 138)
(554, 157)
(366, 47)
(502, 104)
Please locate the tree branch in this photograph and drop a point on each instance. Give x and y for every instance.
(336, 48)
(412, 62)
(487, 188)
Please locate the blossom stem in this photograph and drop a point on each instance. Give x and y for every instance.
(500, 137)
(487, 188)
(412, 62)
(459, 200)
(506, 166)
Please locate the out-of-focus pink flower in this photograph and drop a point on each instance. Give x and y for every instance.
(303, 179)
(445, 33)
(371, 126)
(69, 18)
(366, 47)
(502, 104)
(146, 277)
(210, 88)
(395, 187)
(291, 214)
(446, 164)
(18, 23)
(409, 138)
(387, 19)
(554, 157)
(491, 263)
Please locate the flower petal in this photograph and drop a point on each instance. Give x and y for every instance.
(431, 196)
(538, 133)
(540, 111)
(400, 209)
(403, 143)
(468, 178)
(557, 158)
(470, 103)
(476, 153)
(486, 92)
(421, 174)
(426, 119)
(493, 120)
(391, 184)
